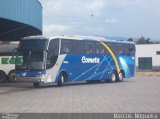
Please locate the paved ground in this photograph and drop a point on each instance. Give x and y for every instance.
(139, 94)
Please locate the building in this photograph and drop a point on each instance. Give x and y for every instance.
(148, 57)
(20, 18)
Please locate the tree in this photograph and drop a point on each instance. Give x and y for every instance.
(156, 42)
(142, 40)
(148, 41)
(130, 39)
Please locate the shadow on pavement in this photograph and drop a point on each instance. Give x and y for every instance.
(15, 87)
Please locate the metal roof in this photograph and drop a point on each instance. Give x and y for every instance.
(28, 12)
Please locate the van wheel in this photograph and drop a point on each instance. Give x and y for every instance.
(113, 77)
(35, 84)
(61, 79)
(11, 76)
(3, 76)
(120, 76)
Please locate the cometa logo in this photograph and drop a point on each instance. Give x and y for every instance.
(90, 60)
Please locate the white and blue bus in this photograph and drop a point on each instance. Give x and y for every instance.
(62, 59)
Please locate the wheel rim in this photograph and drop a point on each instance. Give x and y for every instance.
(62, 79)
(120, 76)
(12, 77)
(113, 77)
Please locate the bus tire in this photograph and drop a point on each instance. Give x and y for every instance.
(89, 81)
(3, 76)
(35, 84)
(120, 76)
(11, 76)
(62, 78)
(113, 77)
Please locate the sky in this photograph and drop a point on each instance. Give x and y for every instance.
(112, 18)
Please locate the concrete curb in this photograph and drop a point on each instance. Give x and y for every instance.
(148, 74)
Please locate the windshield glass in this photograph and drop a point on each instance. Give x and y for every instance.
(30, 60)
(33, 44)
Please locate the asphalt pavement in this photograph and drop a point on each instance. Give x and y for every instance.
(137, 95)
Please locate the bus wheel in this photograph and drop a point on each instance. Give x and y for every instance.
(113, 77)
(61, 79)
(11, 76)
(35, 84)
(89, 81)
(2, 76)
(120, 76)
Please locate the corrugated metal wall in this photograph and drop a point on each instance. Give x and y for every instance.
(24, 11)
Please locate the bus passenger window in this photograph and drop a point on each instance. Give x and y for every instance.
(78, 47)
(65, 49)
(90, 47)
(100, 49)
(111, 46)
(132, 50)
(54, 47)
(53, 52)
(66, 46)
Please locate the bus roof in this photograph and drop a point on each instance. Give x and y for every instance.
(35, 37)
(79, 37)
(9, 42)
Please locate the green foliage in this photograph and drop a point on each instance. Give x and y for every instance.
(130, 39)
(143, 40)
(156, 42)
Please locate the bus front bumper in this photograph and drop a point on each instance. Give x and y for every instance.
(29, 79)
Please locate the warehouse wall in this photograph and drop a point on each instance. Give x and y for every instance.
(148, 51)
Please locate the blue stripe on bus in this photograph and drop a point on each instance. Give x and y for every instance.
(77, 70)
(30, 73)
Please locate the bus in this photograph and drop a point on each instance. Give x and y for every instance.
(61, 59)
(7, 63)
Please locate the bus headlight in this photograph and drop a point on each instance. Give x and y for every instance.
(40, 75)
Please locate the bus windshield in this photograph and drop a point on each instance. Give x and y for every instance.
(6, 49)
(32, 54)
(31, 60)
(33, 44)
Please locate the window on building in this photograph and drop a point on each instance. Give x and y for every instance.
(158, 52)
(145, 63)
